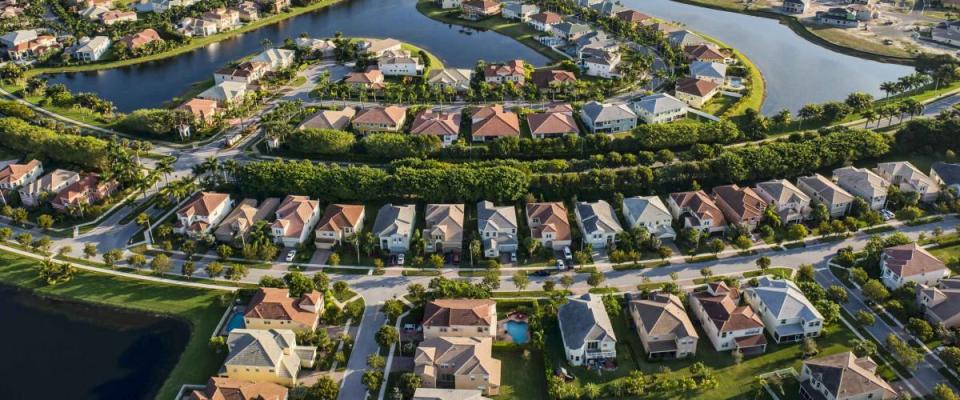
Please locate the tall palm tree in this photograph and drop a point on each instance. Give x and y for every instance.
(165, 167)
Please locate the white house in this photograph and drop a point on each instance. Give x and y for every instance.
(518, 10)
(607, 118)
(498, 228)
(296, 217)
(399, 63)
(826, 192)
(649, 212)
(863, 183)
(600, 62)
(13, 176)
(911, 263)
(199, 216)
(587, 333)
(394, 227)
(598, 223)
(32, 194)
(660, 108)
(787, 314)
(909, 179)
(225, 93)
(792, 205)
(90, 50)
(277, 59)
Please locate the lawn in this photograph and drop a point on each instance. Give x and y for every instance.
(201, 308)
(521, 379)
(946, 253)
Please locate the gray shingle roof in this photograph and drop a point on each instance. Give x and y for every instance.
(948, 173)
(659, 103)
(784, 300)
(496, 218)
(393, 219)
(584, 319)
(708, 69)
(599, 112)
(598, 217)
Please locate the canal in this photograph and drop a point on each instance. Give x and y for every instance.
(64, 350)
(797, 71)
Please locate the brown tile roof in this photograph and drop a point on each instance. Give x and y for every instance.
(846, 376)
(463, 355)
(141, 38)
(663, 314)
(371, 77)
(703, 52)
(86, 190)
(542, 78)
(294, 213)
(428, 122)
(390, 115)
(559, 108)
(219, 388)
(275, 304)
(481, 3)
(514, 67)
(203, 204)
(492, 121)
(459, 312)
(338, 216)
(700, 204)
(744, 202)
(723, 310)
(15, 172)
(695, 86)
(330, 119)
(547, 17)
(632, 16)
(556, 123)
(200, 108)
(911, 259)
(552, 217)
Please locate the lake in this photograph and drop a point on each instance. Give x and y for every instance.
(797, 71)
(64, 350)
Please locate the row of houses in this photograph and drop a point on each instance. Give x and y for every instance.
(62, 189)
(224, 19)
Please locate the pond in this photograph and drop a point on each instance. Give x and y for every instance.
(63, 350)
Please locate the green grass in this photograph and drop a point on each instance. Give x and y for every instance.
(632, 266)
(201, 308)
(947, 252)
(344, 296)
(878, 229)
(421, 272)
(521, 379)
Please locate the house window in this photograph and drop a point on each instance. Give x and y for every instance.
(593, 345)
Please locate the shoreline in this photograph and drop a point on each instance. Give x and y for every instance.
(754, 84)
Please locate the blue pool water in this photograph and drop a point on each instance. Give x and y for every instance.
(235, 322)
(518, 331)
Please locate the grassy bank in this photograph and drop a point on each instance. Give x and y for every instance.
(514, 29)
(201, 308)
(757, 85)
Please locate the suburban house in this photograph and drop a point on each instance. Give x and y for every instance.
(249, 11)
(549, 224)
(941, 303)
(843, 376)
(380, 119)
(607, 118)
(794, 6)
(266, 356)
(598, 223)
(552, 124)
(609, 8)
(137, 40)
(443, 228)
(911, 263)
(246, 72)
(839, 17)
(372, 78)
(601, 62)
(456, 78)
(826, 192)
(89, 50)
(448, 394)
(706, 53)
(660, 108)
(708, 70)
(93, 12)
(14, 175)
(665, 330)
(587, 333)
(296, 217)
(225, 93)
(219, 388)
(377, 47)
(276, 59)
(225, 18)
(683, 38)
(89, 189)
(448, 4)
(909, 179)
(13, 39)
(458, 362)
(512, 71)
(190, 26)
(445, 126)
(202, 109)
(460, 318)
(740, 205)
(34, 48)
(399, 63)
(275, 6)
(649, 212)
(863, 183)
(237, 224)
(792, 205)
(323, 47)
(633, 17)
(787, 314)
(330, 119)
(518, 10)
(113, 16)
(695, 92)
(544, 21)
(339, 221)
(946, 175)
(201, 214)
(498, 228)
(394, 227)
(491, 122)
(32, 193)
(570, 31)
(478, 9)
(697, 210)
(552, 79)
(273, 308)
(728, 325)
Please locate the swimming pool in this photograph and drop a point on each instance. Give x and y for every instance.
(235, 322)
(518, 331)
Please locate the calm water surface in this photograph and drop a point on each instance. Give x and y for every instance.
(63, 350)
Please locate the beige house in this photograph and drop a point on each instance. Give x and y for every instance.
(586, 331)
(273, 308)
(909, 179)
(338, 222)
(13, 176)
(826, 192)
(863, 183)
(549, 224)
(295, 220)
(225, 93)
(792, 205)
(513, 71)
(697, 210)
(663, 325)
(460, 317)
(740, 205)
(200, 215)
(235, 389)
(330, 119)
(444, 228)
(34, 193)
(728, 325)
(238, 223)
(911, 263)
(941, 304)
(380, 119)
(843, 376)
(445, 126)
(448, 394)
(266, 356)
(458, 362)
(696, 92)
(492, 122)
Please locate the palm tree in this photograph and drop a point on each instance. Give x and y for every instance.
(165, 167)
(888, 88)
(869, 115)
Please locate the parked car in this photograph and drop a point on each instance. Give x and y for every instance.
(567, 255)
(561, 265)
(400, 259)
(513, 257)
(291, 255)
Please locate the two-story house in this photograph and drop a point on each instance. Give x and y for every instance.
(90, 189)
(697, 210)
(200, 215)
(607, 118)
(443, 230)
(34, 193)
(826, 192)
(598, 223)
(941, 303)
(909, 179)
(665, 330)
(235, 228)
(549, 224)
(740, 205)
(273, 308)
(296, 217)
(266, 356)
(394, 227)
(512, 71)
(843, 376)
(460, 317)
(459, 363)
(225, 388)
(911, 263)
(498, 228)
(339, 221)
(588, 336)
(660, 108)
(946, 175)
(791, 204)
(15, 175)
(727, 324)
(649, 212)
(787, 314)
(380, 119)
(863, 183)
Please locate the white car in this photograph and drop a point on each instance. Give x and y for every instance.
(567, 255)
(513, 257)
(291, 255)
(400, 259)
(560, 265)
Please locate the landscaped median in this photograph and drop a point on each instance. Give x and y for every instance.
(201, 308)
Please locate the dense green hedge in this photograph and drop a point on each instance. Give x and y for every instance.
(19, 136)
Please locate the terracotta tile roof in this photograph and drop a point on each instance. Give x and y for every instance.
(14, 172)
(330, 119)
(482, 3)
(547, 18)
(141, 38)
(543, 78)
(219, 388)
(699, 204)
(200, 108)
(514, 67)
(294, 213)
(632, 16)
(493, 121)
(428, 122)
(390, 115)
(459, 312)
(703, 52)
(846, 376)
(203, 204)
(557, 123)
(722, 309)
(86, 190)
(338, 216)
(694, 86)
(559, 108)
(911, 259)
(745, 204)
(550, 217)
(371, 77)
(276, 305)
